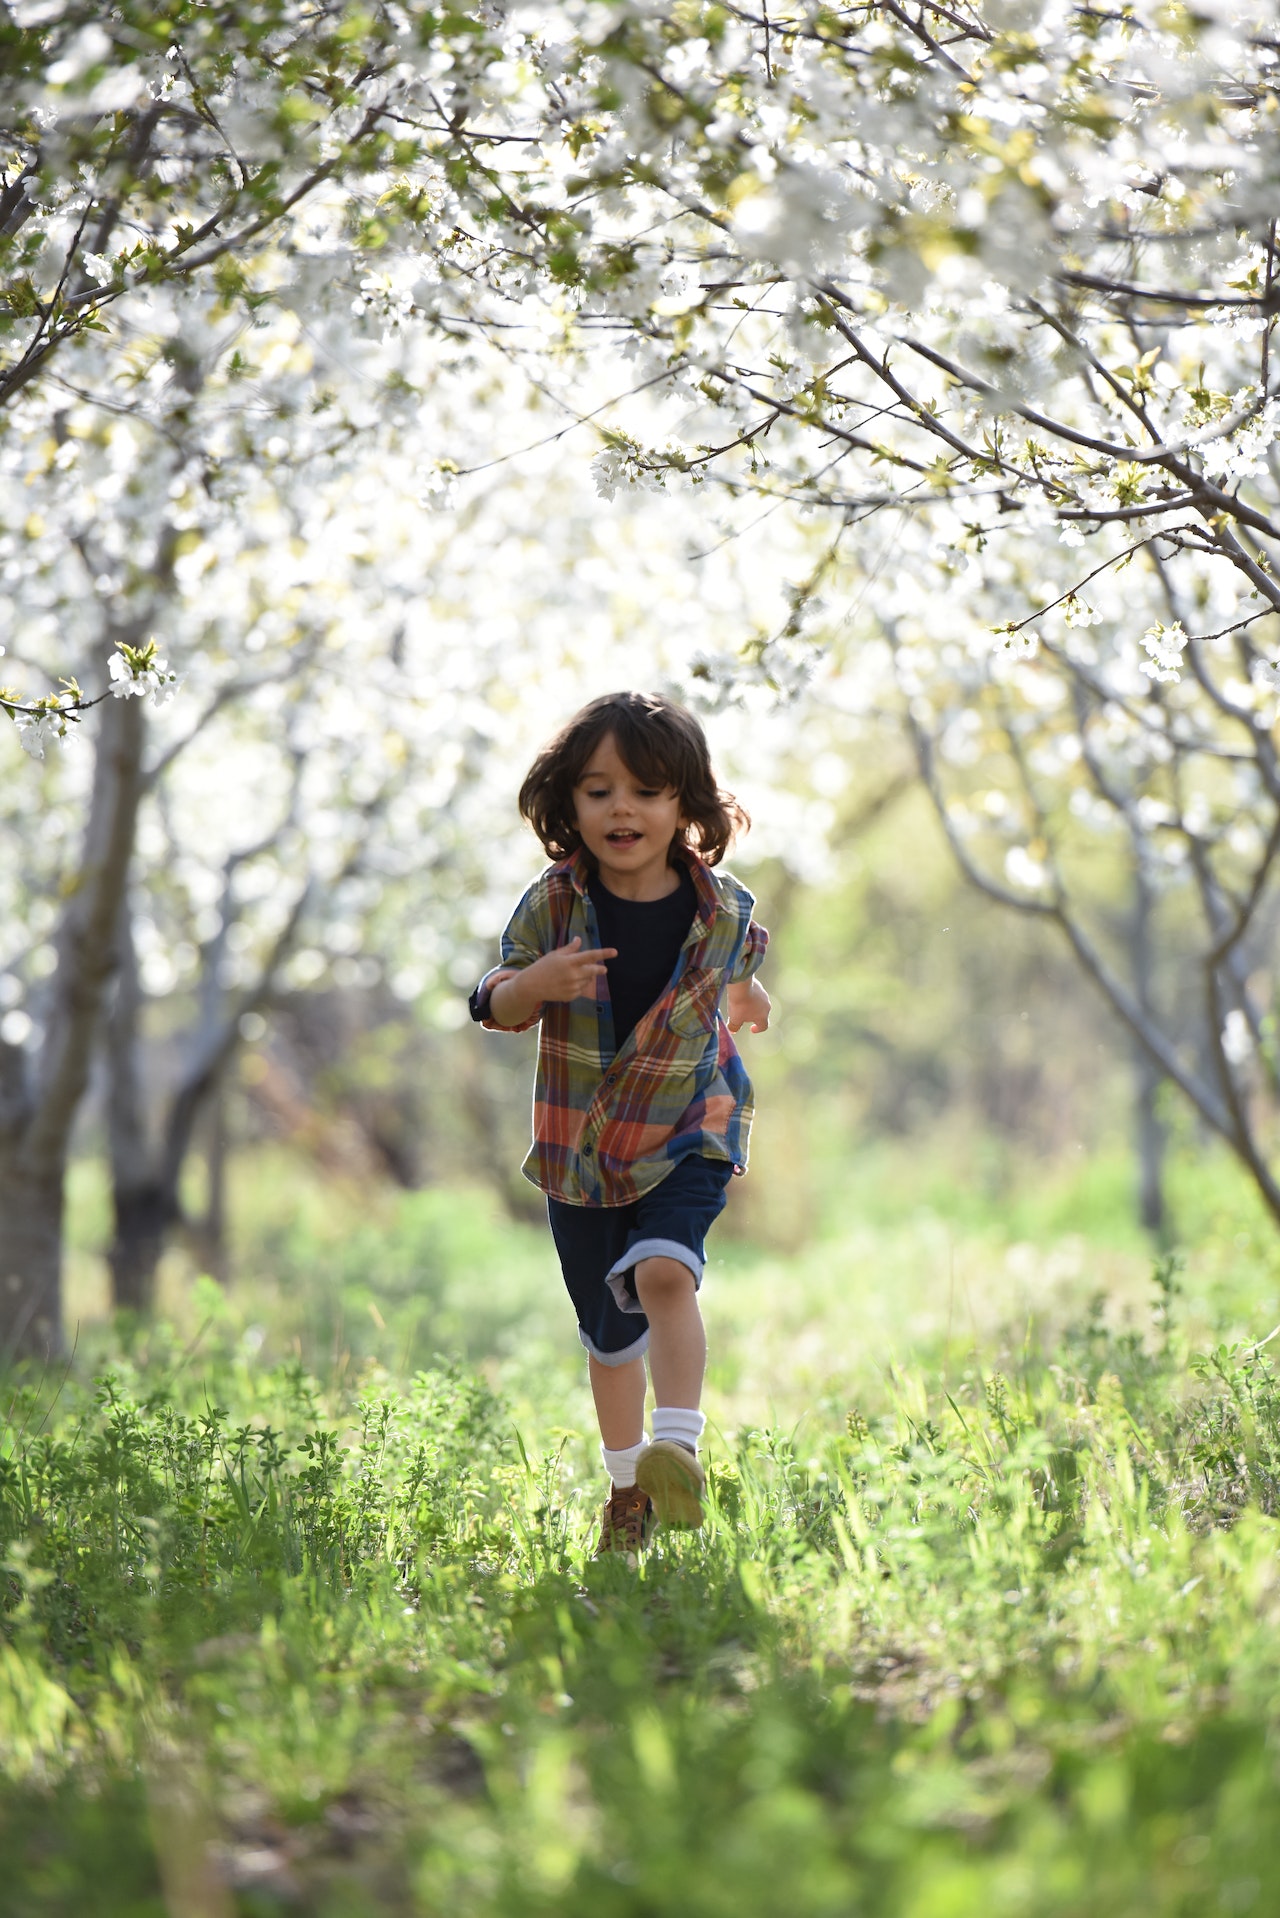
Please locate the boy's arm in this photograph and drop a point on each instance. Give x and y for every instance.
(746, 1001)
(526, 938)
(521, 1011)
(512, 996)
(567, 973)
(519, 1008)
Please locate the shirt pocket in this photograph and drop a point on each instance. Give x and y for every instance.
(693, 1012)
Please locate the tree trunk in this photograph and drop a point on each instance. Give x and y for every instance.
(30, 1260)
(147, 1160)
(143, 1214)
(141, 1202)
(1151, 1144)
(36, 1116)
(212, 1230)
(1150, 1139)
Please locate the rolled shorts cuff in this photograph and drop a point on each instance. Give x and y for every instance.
(616, 1277)
(635, 1350)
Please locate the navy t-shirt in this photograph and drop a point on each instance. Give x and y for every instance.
(648, 934)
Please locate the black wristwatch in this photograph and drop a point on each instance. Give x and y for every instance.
(478, 1003)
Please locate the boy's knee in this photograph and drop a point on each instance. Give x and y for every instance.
(660, 1281)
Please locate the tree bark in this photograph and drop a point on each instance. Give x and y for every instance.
(1151, 1144)
(141, 1205)
(1149, 1132)
(144, 1212)
(30, 1259)
(147, 1160)
(38, 1113)
(210, 1231)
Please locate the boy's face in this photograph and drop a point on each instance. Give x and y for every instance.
(627, 826)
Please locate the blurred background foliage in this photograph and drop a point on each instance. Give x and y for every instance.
(915, 1026)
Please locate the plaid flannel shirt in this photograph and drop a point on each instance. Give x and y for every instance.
(608, 1128)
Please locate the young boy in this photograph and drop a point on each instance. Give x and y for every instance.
(639, 960)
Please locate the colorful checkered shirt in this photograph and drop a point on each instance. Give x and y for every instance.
(608, 1128)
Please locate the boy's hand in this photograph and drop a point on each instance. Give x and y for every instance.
(566, 973)
(747, 1004)
(569, 972)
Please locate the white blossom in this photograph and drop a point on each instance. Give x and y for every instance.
(1237, 1040)
(625, 465)
(439, 484)
(1021, 868)
(1242, 454)
(1164, 646)
(1077, 612)
(141, 674)
(608, 469)
(380, 294)
(37, 730)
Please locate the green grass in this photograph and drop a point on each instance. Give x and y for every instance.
(985, 1619)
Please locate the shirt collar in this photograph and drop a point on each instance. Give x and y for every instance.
(578, 869)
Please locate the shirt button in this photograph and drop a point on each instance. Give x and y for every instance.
(586, 1151)
(612, 1079)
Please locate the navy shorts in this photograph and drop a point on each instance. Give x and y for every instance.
(600, 1246)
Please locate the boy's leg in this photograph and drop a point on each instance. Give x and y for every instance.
(587, 1242)
(677, 1339)
(618, 1391)
(669, 1471)
(667, 1246)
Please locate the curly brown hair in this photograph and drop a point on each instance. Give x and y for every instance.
(661, 744)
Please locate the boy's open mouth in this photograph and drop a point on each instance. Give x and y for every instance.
(622, 838)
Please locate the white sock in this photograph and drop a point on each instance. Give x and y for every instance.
(621, 1466)
(683, 1423)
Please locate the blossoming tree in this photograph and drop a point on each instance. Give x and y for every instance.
(172, 179)
(989, 290)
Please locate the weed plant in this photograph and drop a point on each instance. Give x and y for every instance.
(1005, 1643)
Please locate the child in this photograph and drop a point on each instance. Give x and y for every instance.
(639, 960)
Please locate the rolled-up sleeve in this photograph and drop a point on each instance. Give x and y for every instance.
(526, 938)
(751, 958)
